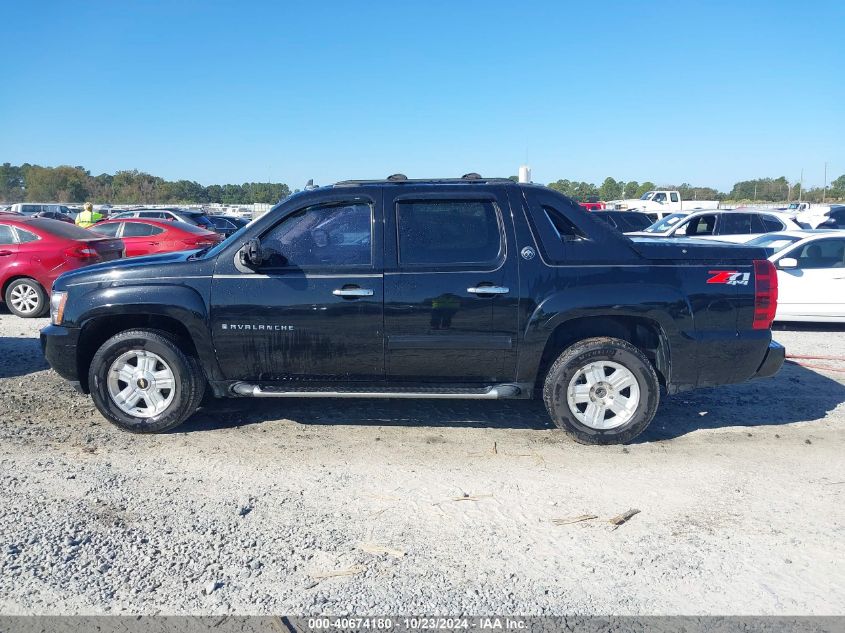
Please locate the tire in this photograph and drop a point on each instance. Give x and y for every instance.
(583, 377)
(26, 298)
(157, 407)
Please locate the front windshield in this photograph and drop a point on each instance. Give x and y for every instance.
(666, 223)
(647, 195)
(773, 243)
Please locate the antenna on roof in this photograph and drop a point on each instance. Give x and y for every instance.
(395, 177)
(310, 185)
(471, 176)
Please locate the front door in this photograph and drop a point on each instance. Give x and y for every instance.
(314, 308)
(816, 287)
(450, 286)
(8, 251)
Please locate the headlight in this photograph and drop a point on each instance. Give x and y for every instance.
(57, 307)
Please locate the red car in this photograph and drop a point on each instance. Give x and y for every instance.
(147, 237)
(34, 251)
(593, 204)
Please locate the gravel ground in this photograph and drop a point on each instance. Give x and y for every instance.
(377, 507)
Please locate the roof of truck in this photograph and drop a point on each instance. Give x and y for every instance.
(401, 179)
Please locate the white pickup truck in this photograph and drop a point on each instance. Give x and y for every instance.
(660, 203)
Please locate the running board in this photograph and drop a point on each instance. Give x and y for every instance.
(496, 392)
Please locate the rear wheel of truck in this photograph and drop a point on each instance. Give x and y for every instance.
(143, 382)
(602, 391)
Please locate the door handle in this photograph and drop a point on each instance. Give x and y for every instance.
(5, 253)
(488, 290)
(352, 292)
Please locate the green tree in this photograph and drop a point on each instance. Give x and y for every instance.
(11, 183)
(610, 189)
(646, 186)
(59, 184)
(630, 190)
(761, 189)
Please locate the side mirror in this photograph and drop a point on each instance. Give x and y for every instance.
(250, 253)
(787, 262)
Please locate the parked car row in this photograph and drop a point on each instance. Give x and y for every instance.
(35, 250)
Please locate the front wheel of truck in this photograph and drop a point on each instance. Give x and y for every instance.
(143, 382)
(602, 391)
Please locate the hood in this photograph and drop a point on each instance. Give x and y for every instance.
(629, 203)
(686, 249)
(150, 267)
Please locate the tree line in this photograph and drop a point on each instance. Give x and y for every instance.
(34, 183)
(759, 190)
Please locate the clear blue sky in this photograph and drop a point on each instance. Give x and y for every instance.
(701, 92)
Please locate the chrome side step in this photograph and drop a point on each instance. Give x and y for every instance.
(495, 392)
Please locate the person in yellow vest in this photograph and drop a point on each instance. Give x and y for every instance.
(88, 217)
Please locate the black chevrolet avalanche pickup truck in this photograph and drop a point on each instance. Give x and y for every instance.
(455, 288)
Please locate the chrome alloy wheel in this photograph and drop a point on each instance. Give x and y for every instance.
(24, 298)
(141, 384)
(603, 395)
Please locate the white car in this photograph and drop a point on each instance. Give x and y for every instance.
(811, 274)
(722, 225)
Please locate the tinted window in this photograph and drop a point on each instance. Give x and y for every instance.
(6, 235)
(25, 236)
(604, 217)
(155, 215)
(633, 221)
(448, 232)
(222, 223)
(562, 225)
(138, 229)
(828, 253)
(109, 230)
(659, 197)
(30, 208)
(735, 224)
(201, 220)
(673, 197)
(702, 225)
(771, 224)
(325, 235)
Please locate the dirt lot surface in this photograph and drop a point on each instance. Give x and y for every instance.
(334, 506)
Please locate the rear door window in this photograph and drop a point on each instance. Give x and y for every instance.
(449, 232)
(109, 230)
(701, 225)
(7, 236)
(673, 197)
(137, 229)
(735, 224)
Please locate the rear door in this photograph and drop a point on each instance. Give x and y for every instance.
(140, 238)
(450, 286)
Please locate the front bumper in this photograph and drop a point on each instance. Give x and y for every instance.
(59, 345)
(772, 361)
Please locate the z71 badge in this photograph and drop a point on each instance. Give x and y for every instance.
(729, 277)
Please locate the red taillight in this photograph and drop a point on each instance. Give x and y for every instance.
(765, 294)
(81, 252)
